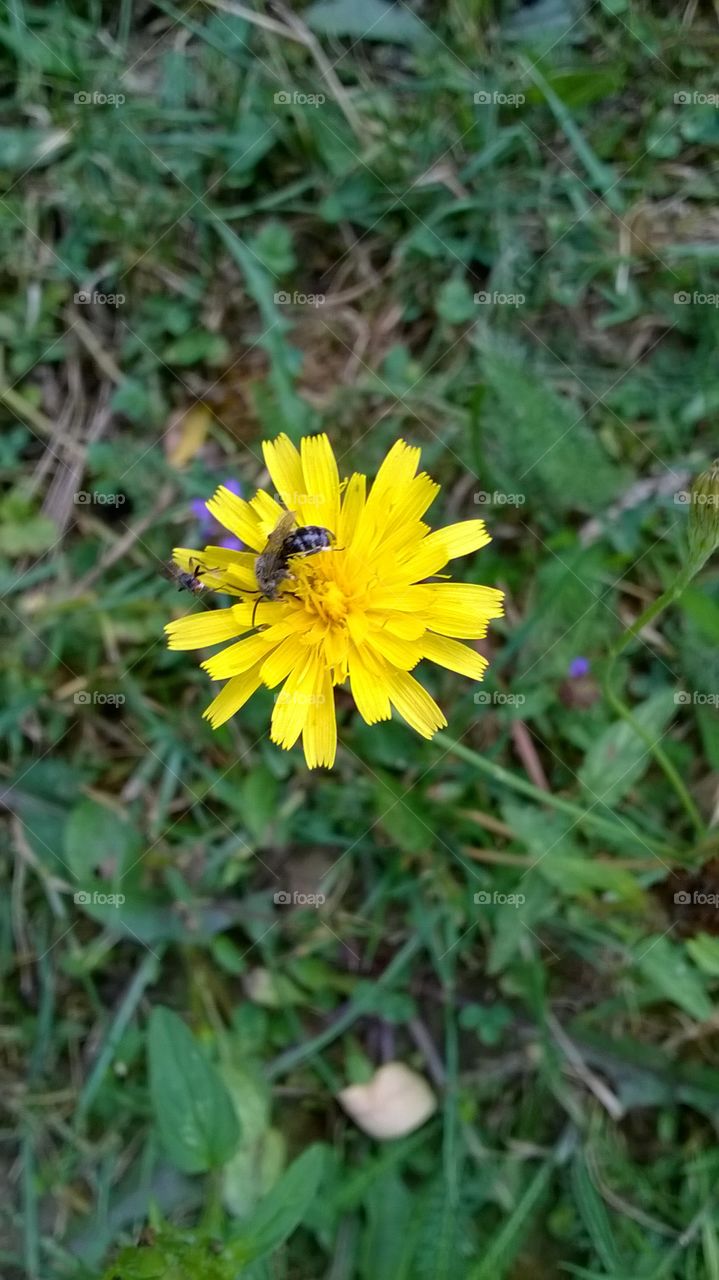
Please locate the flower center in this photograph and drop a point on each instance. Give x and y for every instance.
(322, 595)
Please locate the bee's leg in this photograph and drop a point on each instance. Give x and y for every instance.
(259, 599)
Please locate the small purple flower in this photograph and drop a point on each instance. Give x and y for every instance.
(578, 667)
(200, 512)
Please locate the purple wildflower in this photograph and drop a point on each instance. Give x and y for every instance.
(578, 667)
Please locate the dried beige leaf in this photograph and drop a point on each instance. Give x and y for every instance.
(396, 1101)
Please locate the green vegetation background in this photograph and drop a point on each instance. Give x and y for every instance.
(148, 161)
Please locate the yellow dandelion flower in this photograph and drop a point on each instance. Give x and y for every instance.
(362, 611)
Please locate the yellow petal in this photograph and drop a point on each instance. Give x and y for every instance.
(285, 467)
(412, 503)
(422, 563)
(401, 653)
(463, 609)
(277, 666)
(210, 626)
(241, 656)
(234, 695)
(393, 477)
(269, 512)
(211, 558)
(405, 625)
(322, 484)
(292, 703)
(413, 599)
(455, 656)
(319, 737)
(235, 514)
(352, 508)
(397, 469)
(414, 703)
(462, 538)
(368, 691)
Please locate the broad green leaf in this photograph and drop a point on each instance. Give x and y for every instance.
(257, 1162)
(665, 965)
(455, 301)
(488, 1020)
(192, 1108)
(283, 1209)
(620, 756)
(575, 874)
(704, 951)
(273, 246)
(99, 843)
(197, 347)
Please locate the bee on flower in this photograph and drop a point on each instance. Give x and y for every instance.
(352, 603)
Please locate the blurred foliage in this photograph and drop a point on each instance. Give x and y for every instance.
(489, 227)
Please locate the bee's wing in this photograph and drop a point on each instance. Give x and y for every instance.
(285, 525)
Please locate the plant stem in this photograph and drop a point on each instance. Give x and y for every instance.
(660, 604)
(618, 830)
